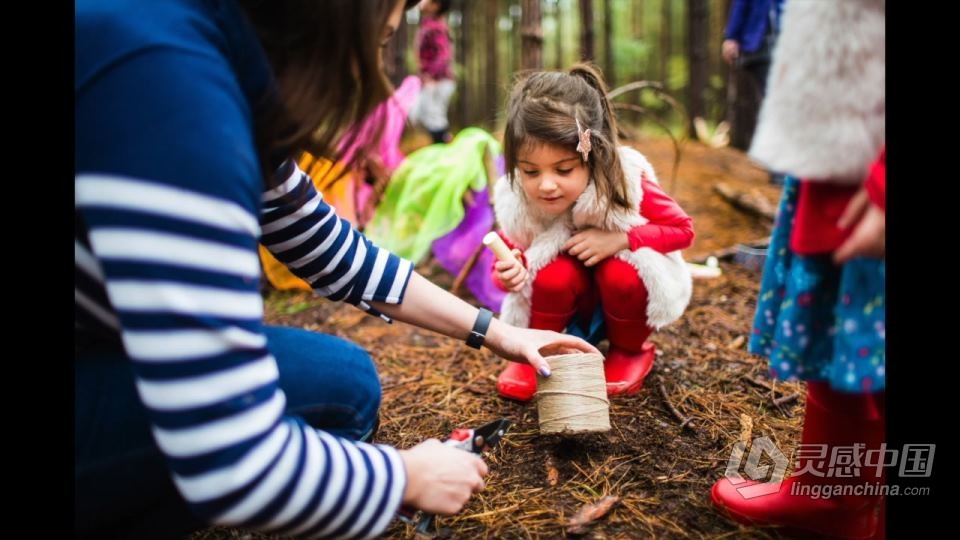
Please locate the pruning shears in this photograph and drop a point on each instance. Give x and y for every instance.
(471, 440)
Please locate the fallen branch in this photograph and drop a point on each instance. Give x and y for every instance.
(685, 421)
(401, 382)
(752, 203)
(778, 401)
(492, 512)
(676, 144)
(465, 271)
(757, 382)
(784, 400)
(728, 252)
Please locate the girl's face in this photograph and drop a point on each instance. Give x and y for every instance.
(553, 177)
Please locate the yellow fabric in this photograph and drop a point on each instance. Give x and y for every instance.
(337, 192)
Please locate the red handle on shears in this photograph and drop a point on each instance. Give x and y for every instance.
(460, 438)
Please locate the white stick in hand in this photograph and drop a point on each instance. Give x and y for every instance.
(493, 241)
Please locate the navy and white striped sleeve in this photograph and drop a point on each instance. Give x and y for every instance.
(324, 250)
(181, 271)
(170, 227)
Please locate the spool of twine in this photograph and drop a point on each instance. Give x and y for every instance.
(573, 399)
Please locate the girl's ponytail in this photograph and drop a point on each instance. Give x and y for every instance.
(591, 74)
(607, 169)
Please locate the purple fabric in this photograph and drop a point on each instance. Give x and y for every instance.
(453, 249)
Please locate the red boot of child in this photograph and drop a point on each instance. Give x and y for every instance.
(630, 358)
(519, 381)
(807, 502)
(626, 371)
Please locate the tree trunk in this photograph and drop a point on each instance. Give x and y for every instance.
(718, 68)
(636, 16)
(608, 56)
(665, 31)
(636, 70)
(490, 94)
(560, 38)
(697, 29)
(531, 33)
(586, 30)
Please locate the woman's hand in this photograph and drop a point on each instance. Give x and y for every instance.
(433, 308)
(530, 346)
(440, 479)
(511, 273)
(869, 223)
(593, 245)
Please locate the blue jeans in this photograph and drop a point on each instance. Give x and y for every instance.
(122, 487)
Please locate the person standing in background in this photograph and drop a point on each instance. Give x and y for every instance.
(752, 30)
(435, 56)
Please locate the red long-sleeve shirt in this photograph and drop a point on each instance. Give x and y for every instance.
(820, 205)
(876, 183)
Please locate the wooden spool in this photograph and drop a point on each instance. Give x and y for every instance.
(573, 399)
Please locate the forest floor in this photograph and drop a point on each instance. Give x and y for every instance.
(659, 470)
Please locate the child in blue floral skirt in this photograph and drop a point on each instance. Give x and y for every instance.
(817, 320)
(821, 307)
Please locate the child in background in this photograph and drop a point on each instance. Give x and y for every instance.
(597, 241)
(821, 307)
(435, 55)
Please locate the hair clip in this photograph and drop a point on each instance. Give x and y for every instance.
(584, 146)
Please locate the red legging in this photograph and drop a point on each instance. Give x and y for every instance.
(565, 288)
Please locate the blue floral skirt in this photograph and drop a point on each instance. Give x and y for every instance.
(816, 320)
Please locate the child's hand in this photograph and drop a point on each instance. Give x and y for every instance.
(869, 227)
(593, 245)
(511, 273)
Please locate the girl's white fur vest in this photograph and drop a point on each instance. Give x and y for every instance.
(665, 276)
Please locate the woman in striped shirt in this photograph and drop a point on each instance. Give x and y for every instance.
(188, 409)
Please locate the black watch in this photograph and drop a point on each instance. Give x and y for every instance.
(479, 332)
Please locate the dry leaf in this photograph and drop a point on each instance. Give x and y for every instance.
(737, 342)
(553, 475)
(589, 513)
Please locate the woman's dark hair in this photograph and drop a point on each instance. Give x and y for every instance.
(325, 56)
(545, 106)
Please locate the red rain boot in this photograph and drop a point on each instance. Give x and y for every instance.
(630, 357)
(519, 381)
(834, 419)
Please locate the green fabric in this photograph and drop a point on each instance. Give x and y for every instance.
(424, 199)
